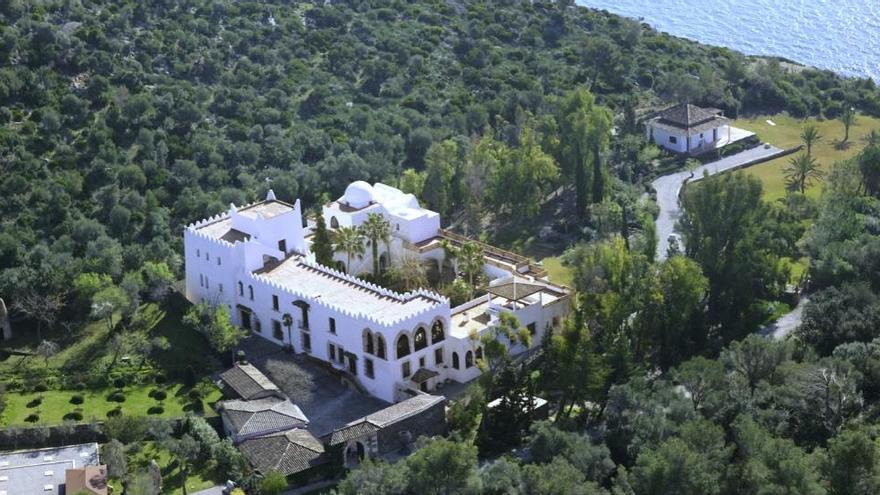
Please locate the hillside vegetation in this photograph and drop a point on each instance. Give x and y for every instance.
(120, 121)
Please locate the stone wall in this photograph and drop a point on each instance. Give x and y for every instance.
(430, 422)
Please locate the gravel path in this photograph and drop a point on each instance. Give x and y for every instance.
(669, 186)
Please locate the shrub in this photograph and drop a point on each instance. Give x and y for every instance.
(156, 410)
(114, 413)
(35, 402)
(79, 385)
(158, 394)
(195, 394)
(119, 383)
(117, 396)
(73, 416)
(40, 387)
(160, 379)
(32, 418)
(76, 399)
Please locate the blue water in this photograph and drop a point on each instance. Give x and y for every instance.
(840, 35)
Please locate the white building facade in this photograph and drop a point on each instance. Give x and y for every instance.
(689, 129)
(256, 260)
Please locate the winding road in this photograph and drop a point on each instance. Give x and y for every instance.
(668, 188)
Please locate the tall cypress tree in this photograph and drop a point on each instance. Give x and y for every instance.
(321, 245)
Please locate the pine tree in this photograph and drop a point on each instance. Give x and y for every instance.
(321, 245)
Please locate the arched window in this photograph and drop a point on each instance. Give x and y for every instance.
(420, 339)
(368, 341)
(334, 223)
(251, 292)
(437, 334)
(402, 346)
(469, 359)
(455, 363)
(380, 346)
(340, 266)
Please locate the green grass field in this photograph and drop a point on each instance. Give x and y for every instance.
(85, 354)
(786, 134)
(52, 406)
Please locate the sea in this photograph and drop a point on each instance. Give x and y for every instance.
(840, 35)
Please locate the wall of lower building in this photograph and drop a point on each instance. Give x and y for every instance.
(429, 422)
(661, 137)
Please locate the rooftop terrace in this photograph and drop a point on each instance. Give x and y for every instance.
(336, 290)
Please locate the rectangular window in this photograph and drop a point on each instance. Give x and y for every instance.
(532, 328)
(251, 291)
(207, 256)
(206, 282)
(555, 322)
(332, 352)
(258, 327)
(405, 369)
(218, 261)
(368, 367)
(276, 330)
(673, 139)
(333, 325)
(422, 362)
(274, 302)
(221, 287)
(201, 280)
(282, 245)
(198, 253)
(438, 356)
(340, 355)
(307, 342)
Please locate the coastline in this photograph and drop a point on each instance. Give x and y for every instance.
(788, 61)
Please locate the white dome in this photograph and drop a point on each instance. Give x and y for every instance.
(358, 194)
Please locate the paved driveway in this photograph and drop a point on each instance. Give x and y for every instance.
(321, 395)
(668, 188)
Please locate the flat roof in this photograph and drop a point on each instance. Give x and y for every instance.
(267, 209)
(43, 471)
(325, 287)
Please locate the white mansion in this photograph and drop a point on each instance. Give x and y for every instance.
(256, 260)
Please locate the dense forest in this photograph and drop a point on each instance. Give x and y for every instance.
(123, 121)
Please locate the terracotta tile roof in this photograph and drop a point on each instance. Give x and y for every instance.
(690, 117)
(253, 417)
(357, 430)
(89, 479)
(423, 375)
(247, 381)
(288, 452)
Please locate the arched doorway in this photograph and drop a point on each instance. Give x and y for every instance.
(355, 452)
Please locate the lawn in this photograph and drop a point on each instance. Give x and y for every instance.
(558, 272)
(52, 406)
(86, 362)
(786, 134)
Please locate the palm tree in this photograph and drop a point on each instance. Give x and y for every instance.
(377, 228)
(810, 136)
(847, 118)
(801, 171)
(470, 260)
(349, 240)
(872, 138)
